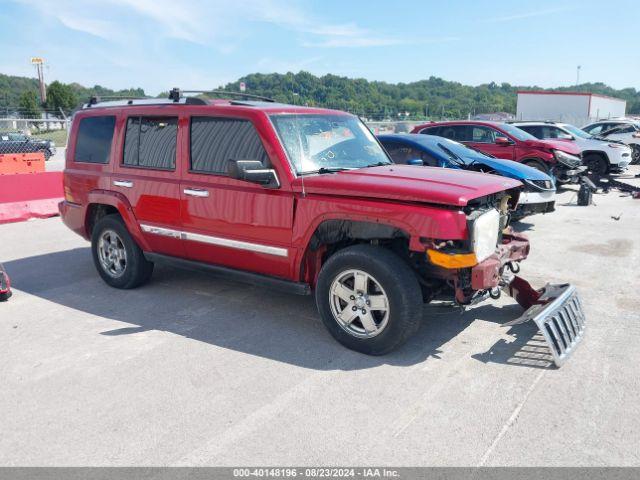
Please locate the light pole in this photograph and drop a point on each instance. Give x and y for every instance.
(578, 75)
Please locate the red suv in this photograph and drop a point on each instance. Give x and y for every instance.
(561, 158)
(294, 198)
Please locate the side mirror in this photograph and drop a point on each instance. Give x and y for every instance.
(253, 171)
(416, 161)
(502, 141)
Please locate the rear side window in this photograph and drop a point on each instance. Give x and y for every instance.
(214, 141)
(532, 129)
(430, 131)
(94, 139)
(459, 133)
(150, 142)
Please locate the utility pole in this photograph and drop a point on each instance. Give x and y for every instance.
(578, 75)
(39, 64)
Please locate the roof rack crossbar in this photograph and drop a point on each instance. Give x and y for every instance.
(95, 99)
(175, 93)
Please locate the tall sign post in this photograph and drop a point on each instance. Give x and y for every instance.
(39, 64)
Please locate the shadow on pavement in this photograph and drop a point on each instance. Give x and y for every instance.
(227, 314)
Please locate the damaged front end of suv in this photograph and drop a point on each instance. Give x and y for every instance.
(485, 264)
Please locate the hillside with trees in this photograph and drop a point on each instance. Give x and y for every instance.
(430, 98)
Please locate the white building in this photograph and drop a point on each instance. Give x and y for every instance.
(577, 108)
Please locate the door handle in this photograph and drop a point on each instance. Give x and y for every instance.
(196, 192)
(123, 183)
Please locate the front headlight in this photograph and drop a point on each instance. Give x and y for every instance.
(567, 159)
(484, 234)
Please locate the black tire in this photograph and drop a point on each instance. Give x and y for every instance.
(597, 164)
(537, 164)
(398, 282)
(635, 154)
(137, 269)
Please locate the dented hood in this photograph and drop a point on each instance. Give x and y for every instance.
(407, 183)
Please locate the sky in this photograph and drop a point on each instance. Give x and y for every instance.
(198, 44)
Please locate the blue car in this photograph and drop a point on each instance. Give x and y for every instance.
(539, 191)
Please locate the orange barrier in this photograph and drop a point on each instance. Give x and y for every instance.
(12, 163)
(32, 195)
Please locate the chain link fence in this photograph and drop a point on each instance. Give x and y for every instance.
(23, 135)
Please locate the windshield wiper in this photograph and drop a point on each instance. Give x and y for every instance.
(323, 170)
(452, 156)
(378, 164)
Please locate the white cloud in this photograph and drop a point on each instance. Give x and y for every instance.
(525, 15)
(221, 24)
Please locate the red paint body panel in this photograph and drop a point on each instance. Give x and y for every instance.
(407, 183)
(519, 150)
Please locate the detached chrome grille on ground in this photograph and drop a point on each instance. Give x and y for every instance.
(562, 324)
(560, 318)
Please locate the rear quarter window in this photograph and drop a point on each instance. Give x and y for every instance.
(93, 144)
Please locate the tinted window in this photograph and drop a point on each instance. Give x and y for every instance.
(459, 133)
(150, 142)
(431, 131)
(624, 129)
(593, 129)
(214, 141)
(534, 130)
(482, 134)
(94, 139)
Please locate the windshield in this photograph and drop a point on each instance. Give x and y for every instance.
(316, 143)
(459, 151)
(516, 132)
(576, 131)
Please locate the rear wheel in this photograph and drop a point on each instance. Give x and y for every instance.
(369, 299)
(117, 257)
(596, 164)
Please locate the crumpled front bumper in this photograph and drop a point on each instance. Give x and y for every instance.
(487, 274)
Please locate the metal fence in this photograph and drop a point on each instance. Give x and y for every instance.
(32, 135)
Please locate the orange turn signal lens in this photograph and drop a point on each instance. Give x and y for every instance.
(452, 260)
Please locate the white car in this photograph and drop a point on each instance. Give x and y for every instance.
(623, 130)
(601, 156)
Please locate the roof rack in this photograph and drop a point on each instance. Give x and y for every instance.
(550, 122)
(176, 93)
(175, 96)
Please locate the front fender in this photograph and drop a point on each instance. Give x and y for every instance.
(419, 222)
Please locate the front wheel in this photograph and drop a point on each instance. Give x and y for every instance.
(537, 164)
(635, 154)
(597, 165)
(369, 299)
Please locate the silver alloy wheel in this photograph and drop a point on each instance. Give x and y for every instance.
(359, 303)
(112, 254)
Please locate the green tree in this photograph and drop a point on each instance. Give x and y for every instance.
(60, 96)
(28, 103)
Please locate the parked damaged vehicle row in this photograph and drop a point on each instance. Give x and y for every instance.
(537, 195)
(559, 158)
(300, 199)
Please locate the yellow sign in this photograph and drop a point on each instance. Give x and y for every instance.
(35, 60)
